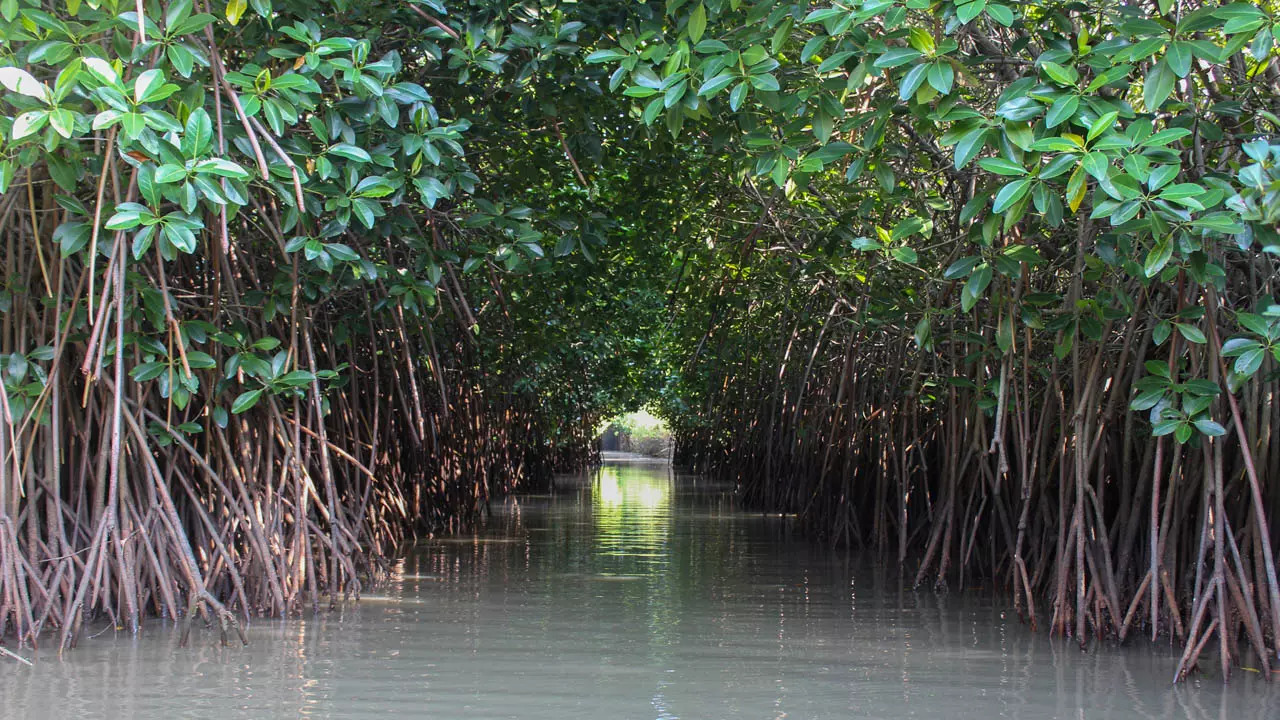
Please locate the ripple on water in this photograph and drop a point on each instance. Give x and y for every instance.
(633, 594)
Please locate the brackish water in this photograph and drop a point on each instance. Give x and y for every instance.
(629, 593)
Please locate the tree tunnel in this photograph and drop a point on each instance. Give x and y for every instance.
(986, 289)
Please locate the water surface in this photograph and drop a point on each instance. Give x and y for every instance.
(628, 593)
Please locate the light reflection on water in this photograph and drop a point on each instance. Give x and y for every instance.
(628, 594)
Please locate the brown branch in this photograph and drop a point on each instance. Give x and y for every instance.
(450, 31)
(576, 171)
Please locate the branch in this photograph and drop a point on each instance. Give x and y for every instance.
(452, 33)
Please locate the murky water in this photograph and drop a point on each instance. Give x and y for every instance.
(629, 594)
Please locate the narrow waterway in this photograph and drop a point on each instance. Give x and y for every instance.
(629, 593)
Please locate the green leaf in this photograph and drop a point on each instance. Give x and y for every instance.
(1164, 137)
(1102, 124)
(200, 360)
(970, 10)
(1060, 74)
(1000, 166)
(1010, 194)
(674, 93)
(1219, 222)
(652, 110)
(147, 371)
(62, 121)
(147, 83)
(133, 124)
(1161, 333)
(697, 23)
(1182, 191)
(197, 137)
(1239, 345)
(147, 187)
(124, 220)
(912, 81)
(350, 152)
(823, 125)
(897, 56)
(180, 237)
(962, 267)
(923, 333)
(1255, 324)
(822, 15)
(1158, 85)
(1004, 333)
(246, 401)
(181, 58)
(1178, 55)
(908, 227)
(72, 237)
(1000, 14)
(922, 40)
(1056, 144)
(1209, 427)
(1096, 164)
(1250, 360)
(363, 210)
(753, 55)
(604, 56)
(29, 123)
(904, 255)
(1157, 258)
(374, 186)
(835, 61)
(1020, 134)
(1062, 110)
(1191, 333)
(1147, 399)
(975, 287)
(169, 173)
(716, 84)
(235, 10)
(221, 168)
(1182, 433)
(341, 252)
(1023, 253)
(177, 11)
(941, 76)
(969, 145)
(298, 378)
(1202, 388)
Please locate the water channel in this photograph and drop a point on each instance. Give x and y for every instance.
(630, 592)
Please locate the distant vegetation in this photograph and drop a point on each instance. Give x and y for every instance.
(638, 432)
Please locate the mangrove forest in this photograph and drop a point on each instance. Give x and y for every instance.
(981, 290)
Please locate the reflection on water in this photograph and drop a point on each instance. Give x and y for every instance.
(630, 593)
(631, 515)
